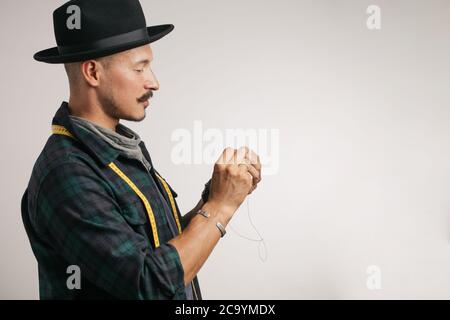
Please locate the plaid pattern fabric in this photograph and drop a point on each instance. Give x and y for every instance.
(77, 211)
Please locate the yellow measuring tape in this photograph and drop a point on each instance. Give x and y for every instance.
(172, 201)
(56, 129)
(147, 205)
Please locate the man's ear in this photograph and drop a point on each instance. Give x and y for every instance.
(91, 71)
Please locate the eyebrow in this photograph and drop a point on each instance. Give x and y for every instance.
(143, 61)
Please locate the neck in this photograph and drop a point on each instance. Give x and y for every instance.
(92, 112)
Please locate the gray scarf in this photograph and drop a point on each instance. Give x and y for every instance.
(124, 139)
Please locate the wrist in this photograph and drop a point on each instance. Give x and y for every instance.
(219, 212)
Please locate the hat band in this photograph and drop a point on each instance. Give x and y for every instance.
(136, 35)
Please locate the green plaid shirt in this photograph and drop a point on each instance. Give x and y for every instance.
(78, 211)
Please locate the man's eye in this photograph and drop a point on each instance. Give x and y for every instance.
(140, 70)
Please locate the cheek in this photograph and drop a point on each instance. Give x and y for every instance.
(125, 87)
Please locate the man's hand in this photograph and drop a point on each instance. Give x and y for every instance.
(236, 175)
(251, 159)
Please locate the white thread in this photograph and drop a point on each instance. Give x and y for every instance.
(261, 241)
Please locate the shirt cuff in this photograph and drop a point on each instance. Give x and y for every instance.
(175, 271)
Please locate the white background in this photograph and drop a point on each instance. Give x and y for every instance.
(364, 156)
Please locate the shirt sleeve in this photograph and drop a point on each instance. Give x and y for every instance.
(78, 210)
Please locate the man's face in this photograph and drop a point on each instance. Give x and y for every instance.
(128, 83)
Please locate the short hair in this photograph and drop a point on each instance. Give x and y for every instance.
(74, 73)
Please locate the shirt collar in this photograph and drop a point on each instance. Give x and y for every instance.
(123, 138)
(94, 145)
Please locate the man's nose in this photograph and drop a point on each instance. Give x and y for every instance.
(151, 82)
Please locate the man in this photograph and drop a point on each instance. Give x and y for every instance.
(95, 207)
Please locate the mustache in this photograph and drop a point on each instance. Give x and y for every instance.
(146, 96)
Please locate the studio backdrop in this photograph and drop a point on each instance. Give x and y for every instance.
(347, 103)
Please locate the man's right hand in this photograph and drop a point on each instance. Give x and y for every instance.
(236, 174)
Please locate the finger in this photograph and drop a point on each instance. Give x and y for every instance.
(244, 170)
(253, 188)
(241, 154)
(226, 156)
(243, 166)
(233, 160)
(254, 159)
(253, 171)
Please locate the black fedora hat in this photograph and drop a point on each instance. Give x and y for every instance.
(89, 29)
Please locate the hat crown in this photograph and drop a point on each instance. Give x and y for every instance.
(97, 19)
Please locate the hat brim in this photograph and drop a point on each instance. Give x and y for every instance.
(52, 55)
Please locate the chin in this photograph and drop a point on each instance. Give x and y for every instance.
(134, 117)
(140, 117)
